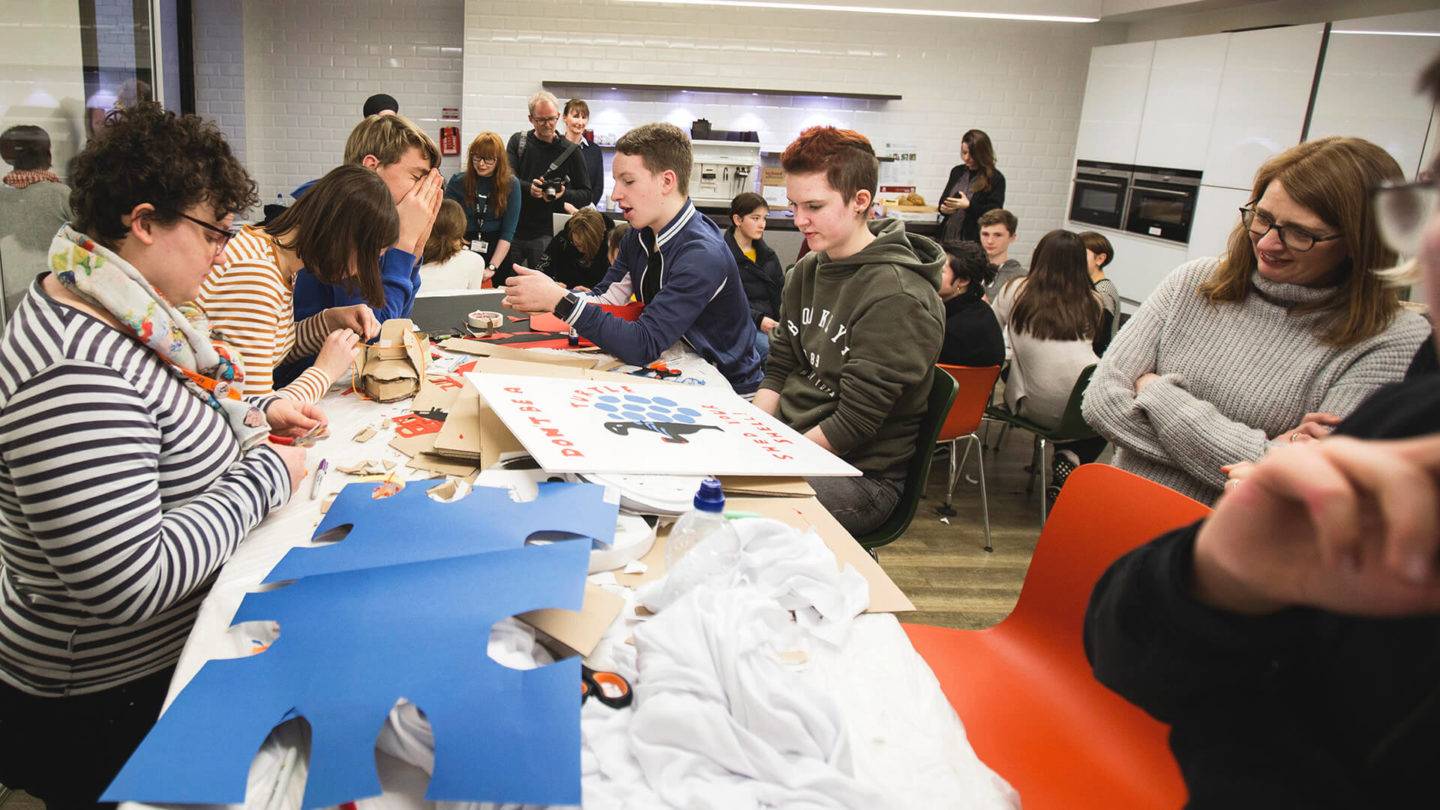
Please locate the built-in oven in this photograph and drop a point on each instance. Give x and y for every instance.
(1162, 203)
(1099, 194)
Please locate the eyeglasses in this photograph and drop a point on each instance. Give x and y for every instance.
(1402, 211)
(1293, 236)
(547, 120)
(480, 160)
(217, 236)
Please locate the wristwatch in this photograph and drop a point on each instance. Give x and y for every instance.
(492, 268)
(565, 307)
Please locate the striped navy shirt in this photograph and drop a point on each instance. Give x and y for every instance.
(121, 494)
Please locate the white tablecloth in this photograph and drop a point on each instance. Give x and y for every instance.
(906, 740)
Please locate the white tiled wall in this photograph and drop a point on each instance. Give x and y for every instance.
(308, 68)
(1023, 83)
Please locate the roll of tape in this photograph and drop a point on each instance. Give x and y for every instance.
(483, 319)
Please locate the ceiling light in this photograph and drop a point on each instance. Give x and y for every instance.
(907, 12)
(1392, 33)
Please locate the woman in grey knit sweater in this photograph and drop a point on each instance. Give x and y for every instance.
(1270, 343)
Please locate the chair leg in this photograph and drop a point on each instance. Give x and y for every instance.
(1044, 481)
(874, 555)
(984, 496)
(947, 509)
(999, 440)
(1034, 465)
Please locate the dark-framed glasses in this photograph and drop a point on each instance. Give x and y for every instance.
(1402, 211)
(480, 160)
(1296, 238)
(217, 236)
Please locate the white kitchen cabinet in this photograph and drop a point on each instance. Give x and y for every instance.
(1140, 263)
(1217, 212)
(1367, 86)
(1185, 77)
(1264, 92)
(1114, 101)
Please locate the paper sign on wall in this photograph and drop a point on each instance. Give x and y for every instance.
(587, 426)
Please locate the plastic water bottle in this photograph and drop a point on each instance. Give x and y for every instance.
(694, 528)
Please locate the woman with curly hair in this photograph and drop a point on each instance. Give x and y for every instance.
(491, 198)
(130, 465)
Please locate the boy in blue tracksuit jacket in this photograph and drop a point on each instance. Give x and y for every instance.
(674, 260)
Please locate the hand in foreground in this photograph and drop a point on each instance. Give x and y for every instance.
(537, 188)
(338, 353)
(531, 291)
(768, 324)
(1343, 525)
(358, 318)
(294, 458)
(290, 418)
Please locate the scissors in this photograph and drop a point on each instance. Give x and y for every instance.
(312, 436)
(607, 687)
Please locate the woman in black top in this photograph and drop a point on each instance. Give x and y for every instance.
(760, 270)
(576, 256)
(576, 117)
(974, 187)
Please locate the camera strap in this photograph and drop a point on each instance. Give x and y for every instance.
(570, 147)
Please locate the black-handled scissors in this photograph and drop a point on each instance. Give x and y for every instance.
(607, 687)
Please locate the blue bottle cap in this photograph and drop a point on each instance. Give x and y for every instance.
(710, 497)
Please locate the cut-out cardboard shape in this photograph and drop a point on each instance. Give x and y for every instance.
(409, 526)
(353, 643)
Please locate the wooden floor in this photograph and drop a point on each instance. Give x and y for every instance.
(943, 567)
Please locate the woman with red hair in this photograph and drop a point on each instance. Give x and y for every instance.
(488, 193)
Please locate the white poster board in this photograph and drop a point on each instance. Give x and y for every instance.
(584, 426)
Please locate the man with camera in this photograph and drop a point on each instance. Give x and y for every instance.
(554, 171)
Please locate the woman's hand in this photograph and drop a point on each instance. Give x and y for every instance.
(1342, 525)
(1313, 426)
(358, 318)
(1145, 379)
(338, 353)
(768, 324)
(950, 205)
(290, 418)
(294, 458)
(417, 211)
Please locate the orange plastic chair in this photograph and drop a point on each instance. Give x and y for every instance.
(1031, 707)
(976, 383)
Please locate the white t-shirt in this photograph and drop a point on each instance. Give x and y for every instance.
(464, 271)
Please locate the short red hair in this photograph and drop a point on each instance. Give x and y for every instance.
(844, 155)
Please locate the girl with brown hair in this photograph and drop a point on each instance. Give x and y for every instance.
(1272, 343)
(973, 188)
(490, 197)
(577, 255)
(337, 232)
(449, 264)
(1054, 323)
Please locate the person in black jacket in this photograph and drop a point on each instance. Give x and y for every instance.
(576, 119)
(760, 270)
(974, 187)
(577, 256)
(531, 154)
(1292, 639)
(972, 335)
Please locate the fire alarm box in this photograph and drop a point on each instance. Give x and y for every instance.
(449, 141)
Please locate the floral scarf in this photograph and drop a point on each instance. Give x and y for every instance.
(20, 178)
(112, 284)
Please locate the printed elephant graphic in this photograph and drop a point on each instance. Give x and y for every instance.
(660, 415)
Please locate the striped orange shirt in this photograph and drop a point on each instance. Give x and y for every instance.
(251, 306)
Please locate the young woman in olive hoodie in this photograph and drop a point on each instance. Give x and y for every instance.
(861, 325)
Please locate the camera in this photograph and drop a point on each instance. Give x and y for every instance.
(551, 185)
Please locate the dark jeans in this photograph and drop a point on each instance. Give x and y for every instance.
(860, 503)
(1087, 450)
(526, 252)
(65, 751)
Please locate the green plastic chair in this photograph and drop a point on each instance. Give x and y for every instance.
(1072, 427)
(942, 393)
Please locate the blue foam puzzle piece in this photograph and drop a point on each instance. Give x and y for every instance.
(387, 531)
(350, 645)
